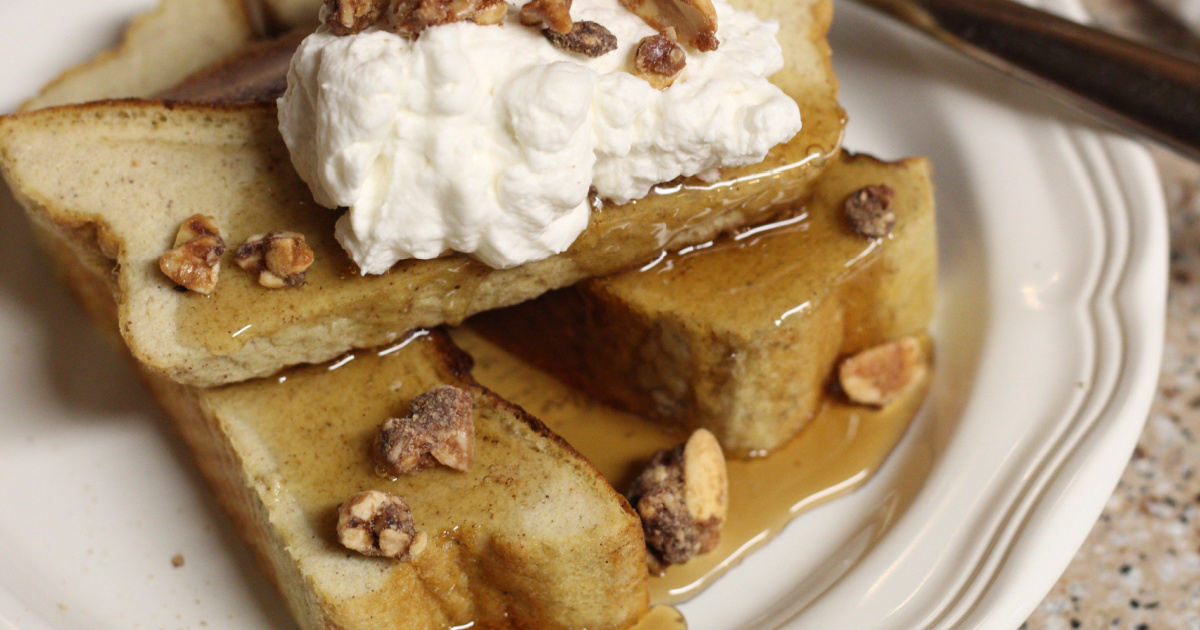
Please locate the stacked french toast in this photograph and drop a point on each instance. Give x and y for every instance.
(767, 308)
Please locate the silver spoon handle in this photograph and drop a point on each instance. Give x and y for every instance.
(1137, 87)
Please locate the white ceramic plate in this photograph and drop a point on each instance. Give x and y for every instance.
(1049, 334)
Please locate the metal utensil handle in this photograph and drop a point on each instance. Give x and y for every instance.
(1139, 88)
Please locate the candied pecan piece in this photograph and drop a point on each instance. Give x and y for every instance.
(347, 17)
(586, 38)
(554, 14)
(488, 12)
(410, 17)
(194, 262)
(281, 259)
(437, 429)
(682, 498)
(694, 20)
(671, 532)
(876, 376)
(659, 59)
(869, 211)
(376, 523)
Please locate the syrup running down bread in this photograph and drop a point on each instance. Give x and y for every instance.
(863, 292)
(741, 336)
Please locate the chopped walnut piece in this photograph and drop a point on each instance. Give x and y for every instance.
(196, 226)
(281, 259)
(437, 429)
(876, 376)
(659, 59)
(694, 20)
(410, 17)
(194, 262)
(554, 14)
(347, 17)
(376, 523)
(682, 498)
(489, 12)
(869, 211)
(586, 38)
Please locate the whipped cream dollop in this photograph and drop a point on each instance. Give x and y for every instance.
(487, 139)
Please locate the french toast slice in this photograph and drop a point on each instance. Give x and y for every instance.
(741, 337)
(531, 537)
(118, 178)
(158, 48)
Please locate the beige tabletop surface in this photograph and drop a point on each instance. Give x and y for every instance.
(1140, 566)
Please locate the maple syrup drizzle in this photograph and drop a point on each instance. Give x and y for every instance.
(662, 617)
(839, 450)
(315, 424)
(240, 310)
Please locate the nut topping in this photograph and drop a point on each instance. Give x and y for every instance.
(347, 17)
(554, 14)
(281, 259)
(682, 497)
(195, 261)
(410, 17)
(876, 376)
(694, 20)
(437, 429)
(376, 523)
(586, 38)
(489, 12)
(659, 59)
(869, 212)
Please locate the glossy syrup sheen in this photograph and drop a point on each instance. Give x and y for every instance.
(839, 450)
(662, 617)
(498, 532)
(740, 335)
(419, 293)
(863, 292)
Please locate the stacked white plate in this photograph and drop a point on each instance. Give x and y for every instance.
(1049, 331)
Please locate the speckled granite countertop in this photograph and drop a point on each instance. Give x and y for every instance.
(1140, 566)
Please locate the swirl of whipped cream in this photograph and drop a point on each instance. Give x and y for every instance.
(487, 139)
